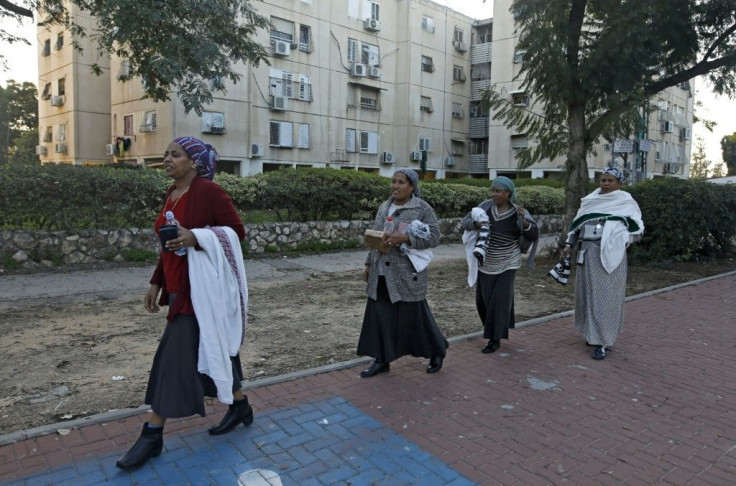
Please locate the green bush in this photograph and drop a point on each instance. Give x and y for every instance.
(684, 220)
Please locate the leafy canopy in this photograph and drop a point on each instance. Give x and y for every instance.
(18, 115)
(179, 46)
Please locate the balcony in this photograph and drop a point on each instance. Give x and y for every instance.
(480, 53)
(290, 89)
(478, 127)
(478, 164)
(478, 87)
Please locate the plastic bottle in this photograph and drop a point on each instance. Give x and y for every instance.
(388, 226)
(171, 220)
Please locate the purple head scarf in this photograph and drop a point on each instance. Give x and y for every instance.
(618, 174)
(413, 177)
(202, 154)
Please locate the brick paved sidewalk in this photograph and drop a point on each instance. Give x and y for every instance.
(660, 409)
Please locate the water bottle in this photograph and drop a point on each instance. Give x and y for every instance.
(172, 221)
(388, 226)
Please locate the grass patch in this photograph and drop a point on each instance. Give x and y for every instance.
(320, 246)
(9, 263)
(139, 255)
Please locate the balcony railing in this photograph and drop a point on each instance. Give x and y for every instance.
(478, 127)
(477, 88)
(480, 53)
(291, 89)
(478, 164)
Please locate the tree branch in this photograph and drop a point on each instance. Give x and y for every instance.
(721, 38)
(11, 7)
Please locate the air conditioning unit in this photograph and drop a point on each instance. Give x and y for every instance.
(460, 46)
(416, 156)
(111, 149)
(281, 48)
(671, 168)
(450, 161)
(278, 103)
(372, 25)
(359, 70)
(685, 134)
(57, 100)
(147, 128)
(667, 126)
(388, 158)
(256, 150)
(461, 76)
(374, 72)
(60, 148)
(41, 150)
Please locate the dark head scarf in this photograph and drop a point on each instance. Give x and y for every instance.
(202, 154)
(505, 184)
(618, 174)
(413, 177)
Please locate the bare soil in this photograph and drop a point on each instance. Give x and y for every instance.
(63, 360)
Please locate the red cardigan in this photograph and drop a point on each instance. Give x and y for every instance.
(207, 205)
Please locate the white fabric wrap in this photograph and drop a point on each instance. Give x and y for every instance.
(216, 293)
(470, 238)
(420, 259)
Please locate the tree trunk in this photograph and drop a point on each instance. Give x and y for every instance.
(576, 184)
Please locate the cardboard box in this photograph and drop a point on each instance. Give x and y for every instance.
(374, 240)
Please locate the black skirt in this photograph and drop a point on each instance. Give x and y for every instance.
(175, 387)
(391, 330)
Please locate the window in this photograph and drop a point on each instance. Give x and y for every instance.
(48, 136)
(425, 104)
(457, 147)
(59, 41)
(458, 35)
(479, 147)
(282, 134)
(458, 73)
(519, 57)
(46, 91)
(427, 64)
(61, 132)
(61, 86)
(361, 141)
(370, 55)
(480, 72)
(475, 110)
(213, 122)
(124, 71)
(375, 11)
(305, 88)
(303, 141)
(369, 99)
(46, 48)
(457, 110)
(428, 24)
(281, 83)
(282, 30)
(149, 122)
(484, 34)
(305, 38)
(217, 84)
(519, 142)
(520, 98)
(128, 125)
(425, 144)
(352, 50)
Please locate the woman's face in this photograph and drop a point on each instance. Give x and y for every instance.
(500, 196)
(401, 187)
(609, 183)
(177, 163)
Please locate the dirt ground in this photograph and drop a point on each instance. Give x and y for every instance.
(62, 361)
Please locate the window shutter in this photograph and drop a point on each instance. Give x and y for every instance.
(286, 135)
(303, 136)
(350, 145)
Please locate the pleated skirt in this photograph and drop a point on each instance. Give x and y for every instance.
(392, 330)
(175, 387)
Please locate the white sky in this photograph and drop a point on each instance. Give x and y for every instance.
(22, 66)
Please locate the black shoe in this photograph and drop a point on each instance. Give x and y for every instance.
(599, 352)
(240, 412)
(148, 445)
(435, 364)
(491, 347)
(376, 367)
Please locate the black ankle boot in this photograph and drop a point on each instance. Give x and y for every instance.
(148, 445)
(240, 412)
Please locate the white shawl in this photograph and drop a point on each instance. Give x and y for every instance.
(616, 235)
(470, 238)
(219, 293)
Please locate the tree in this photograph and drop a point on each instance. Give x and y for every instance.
(589, 65)
(699, 164)
(23, 151)
(728, 148)
(173, 45)
(718, 170)
(18, 114)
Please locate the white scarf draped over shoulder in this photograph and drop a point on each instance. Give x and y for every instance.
(219, 293)
(623, 221)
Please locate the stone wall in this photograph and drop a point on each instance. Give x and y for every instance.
(31, 249)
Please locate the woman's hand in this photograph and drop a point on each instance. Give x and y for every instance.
(522, 215)
(566, 250)
(151, 298)
(394, 239)
(185, 238)
(366, 272)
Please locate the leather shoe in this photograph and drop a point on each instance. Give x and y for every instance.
(376, 367)
(148, 445)
(240, 412)
(491, 347)
(435, 364)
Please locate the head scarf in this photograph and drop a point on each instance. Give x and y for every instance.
(618, 174)
(505, 184)
(202, 154)
(413, 177)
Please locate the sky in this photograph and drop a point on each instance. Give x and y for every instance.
(22, 67)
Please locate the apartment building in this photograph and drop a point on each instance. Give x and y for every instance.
(73, 103)
(666, 128)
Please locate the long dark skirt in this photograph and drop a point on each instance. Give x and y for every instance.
(394, 330)
(494, 299)
(175, 387)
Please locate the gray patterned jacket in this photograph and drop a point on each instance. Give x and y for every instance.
(403, 281)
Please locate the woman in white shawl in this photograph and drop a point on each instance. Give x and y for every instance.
(608, 221)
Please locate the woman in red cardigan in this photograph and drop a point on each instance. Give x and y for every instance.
(175, 386)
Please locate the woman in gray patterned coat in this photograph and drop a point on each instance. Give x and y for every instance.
(397, 318)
